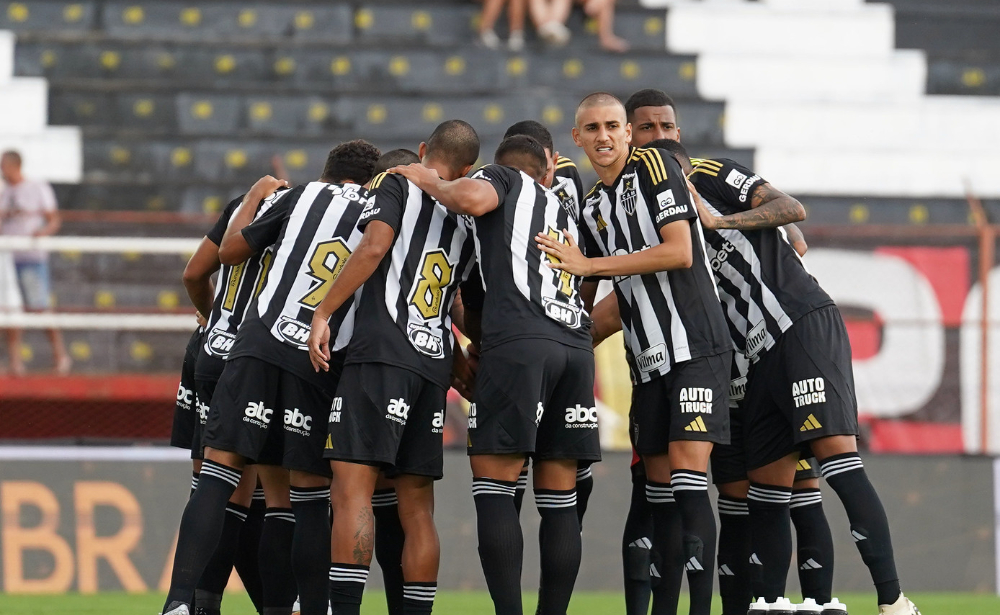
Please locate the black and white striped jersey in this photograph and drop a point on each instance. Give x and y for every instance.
(668, 317)
(524, 298)
(738, 379)
(568, 187)
(236, 286)
(313, 230)
(763, 284)
(404, 317)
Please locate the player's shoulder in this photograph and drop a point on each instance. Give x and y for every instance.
(649, 161)
(565, 164)
(385, 179)
(593, 192)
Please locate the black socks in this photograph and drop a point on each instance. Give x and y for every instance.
(584, 487)
(560, 548)
(201, 526)
(734, 556)
(869, 525)
(275, 558)
(814, 545)
(501, 544)
(347, 586)
(637, 545)
(770, 539)
(666, 570)
(216, 575)
(389, 547)
(311, 547)
(698, 520)
(522, 486)
(246, 561)
(418, 598)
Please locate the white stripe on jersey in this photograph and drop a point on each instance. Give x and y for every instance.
(519, 241)
(401, 249)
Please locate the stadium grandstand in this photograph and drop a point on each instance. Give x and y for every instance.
(148, 116)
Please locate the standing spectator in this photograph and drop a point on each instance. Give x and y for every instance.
(515, 18)
(28, 208)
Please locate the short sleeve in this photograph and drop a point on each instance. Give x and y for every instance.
(664, 188)
(218, 231)
(265, 230)
(473, 294)
(726, 184)
(500, 177)
(387, 202)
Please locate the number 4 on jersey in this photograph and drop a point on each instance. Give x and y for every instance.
(565, 278)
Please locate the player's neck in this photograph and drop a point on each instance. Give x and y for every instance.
(439, 167)
(610, 173)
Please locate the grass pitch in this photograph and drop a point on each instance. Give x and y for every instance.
(453, 603)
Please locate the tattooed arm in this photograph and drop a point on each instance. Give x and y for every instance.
(770, 208)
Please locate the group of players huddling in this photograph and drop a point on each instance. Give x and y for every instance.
(317, 382)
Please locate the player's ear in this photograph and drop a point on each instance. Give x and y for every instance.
(678, 135)
(576, 137)
(465, 170)
(628, 132)
(422, 151)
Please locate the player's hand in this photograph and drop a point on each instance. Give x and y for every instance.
(319, 345)
(707, 219)
(202, 321)
(565, 256)
(268, 185)
(421, 176)
(463, 375)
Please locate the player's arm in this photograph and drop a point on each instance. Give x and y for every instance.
(473, 297)
(198, 275)
(607, 320)
(674, 252)
(796, 239)
(588, 292)
(728, 183)
(473, 196)
(235, 248)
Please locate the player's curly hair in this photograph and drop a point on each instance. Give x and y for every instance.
(523, 153)
(351, 161)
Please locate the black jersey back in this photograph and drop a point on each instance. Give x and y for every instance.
(404, 317)
(670, 316)
(314, 229)
(568, 187)
(524, 298)
(763, 285)
(236, 286)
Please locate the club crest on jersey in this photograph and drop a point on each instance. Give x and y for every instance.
(629, 195)
(294, 332)
(567, 201)
(221, 342)
(652, 358)
(426, 341)
(567, 314)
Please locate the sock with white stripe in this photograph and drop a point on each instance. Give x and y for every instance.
(814, 545)
(637, 545)
(201, 526)
(734, 555)
(560, 548)
(194, 483)
(584, 487)
(347, 586)
(389, 547)
(418, 598)
(214, 579)
(522, 486)
(275, 557)
(698, 520)
(311, 547)
(770, 539)
(501, 544)
(869, 524)
(666, 570)
(246, 560)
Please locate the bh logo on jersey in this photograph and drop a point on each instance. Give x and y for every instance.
(257, 414)
(335, 409)
(437, 423)
(809, 391)
(567, 314)
(696, 399)
(472, 416)
(202, 411)
(652, 358)
(294, 332)
(581, 417)
(629, 195)
(221, 342)
(398, 411)
(184, 396)
(296, 422)
(722, 255)
(426, 341)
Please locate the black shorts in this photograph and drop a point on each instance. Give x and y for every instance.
(808, 468)
(801, 389)
(182, 433)
(270, 416)
(536, 397)
(206, 391)
(390, 417)
(690, 402)
(729, 461)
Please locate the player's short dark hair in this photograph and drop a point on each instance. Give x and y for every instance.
(455, 143)
(648, 98)
(532, 129)
(351, 161)
(674, 147)
(523, 153)
(395, 158)
(13, 155)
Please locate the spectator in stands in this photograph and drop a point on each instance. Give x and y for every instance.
(515, 18)
(550, 18)
(28, 208)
